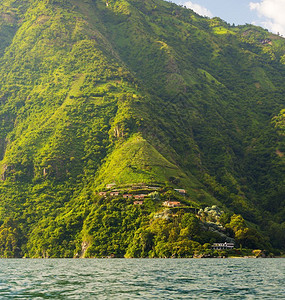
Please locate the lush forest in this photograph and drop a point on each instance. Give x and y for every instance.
(138, 93)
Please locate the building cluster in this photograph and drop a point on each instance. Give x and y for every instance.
(138, 198)
(114, 191)
(138, 192)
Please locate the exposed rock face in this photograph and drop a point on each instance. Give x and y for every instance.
(84, 247)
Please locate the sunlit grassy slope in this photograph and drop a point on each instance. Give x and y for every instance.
(137, 161)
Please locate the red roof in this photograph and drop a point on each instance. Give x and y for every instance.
(127, 195)
(138, 202)
(114, 193)
(171, 203)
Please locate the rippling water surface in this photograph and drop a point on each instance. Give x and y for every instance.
(142, 279)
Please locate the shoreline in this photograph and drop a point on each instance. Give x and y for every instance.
(126, 258)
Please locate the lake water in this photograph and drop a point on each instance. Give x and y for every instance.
(142, 279)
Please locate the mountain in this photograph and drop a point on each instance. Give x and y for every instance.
(140, 93)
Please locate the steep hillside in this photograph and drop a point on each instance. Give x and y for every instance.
(135, 92)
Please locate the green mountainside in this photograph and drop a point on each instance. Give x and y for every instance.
(149, 96)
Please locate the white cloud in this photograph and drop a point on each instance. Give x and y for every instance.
(201, 10)
(273, 12)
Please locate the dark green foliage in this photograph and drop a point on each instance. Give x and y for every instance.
(136, 91)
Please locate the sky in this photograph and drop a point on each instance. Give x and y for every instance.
(269, 14)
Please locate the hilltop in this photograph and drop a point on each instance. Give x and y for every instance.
(130, 92)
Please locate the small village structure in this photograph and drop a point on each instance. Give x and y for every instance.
(127, 196)
(114, 194)
(129, 192)
(141, 196)
(139, 202)
(171, 203)
(223, 246)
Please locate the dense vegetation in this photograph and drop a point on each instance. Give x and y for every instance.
(133, 91)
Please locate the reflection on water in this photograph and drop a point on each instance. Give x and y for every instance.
(142, 279)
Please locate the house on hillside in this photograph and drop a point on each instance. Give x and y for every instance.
(223, 246)
(140, 202)
(103, 194)
(114, 194)
(171, 203)
(141, 196)
(128, 196)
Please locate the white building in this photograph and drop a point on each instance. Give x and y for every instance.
(223, 246)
